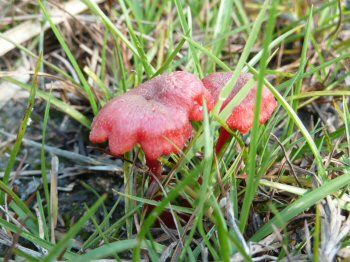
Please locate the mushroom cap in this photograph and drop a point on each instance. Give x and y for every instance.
(155, 115)
(242, 117)
(180, 89)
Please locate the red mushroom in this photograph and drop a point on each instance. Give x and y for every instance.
(155, 115)
(242, 116)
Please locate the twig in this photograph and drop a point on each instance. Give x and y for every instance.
(56, 151)
(287, 159)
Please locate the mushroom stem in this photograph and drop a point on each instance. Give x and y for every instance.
(155, 166)
(224, 136)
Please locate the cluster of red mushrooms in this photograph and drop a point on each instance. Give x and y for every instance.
(157, 114)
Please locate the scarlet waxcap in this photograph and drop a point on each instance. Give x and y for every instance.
(180, 89)
(242, 116)
(155, 115)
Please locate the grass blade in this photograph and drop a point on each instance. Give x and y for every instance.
(71, 59)
(208, 53)
(34, 239)
(143, 57)
(66, 240)
(226, 91)
(273, 44)
(22, 129)
(63, 107)
(299, 81)
(222, 26)
(347, 122)
(180, 187)
(111, 27)
(16, 199)
(170, 58)
(53, 198)
(99, 82)
(113, 248)
(43, 158)
(186, 29)
(30, 53)
(299, 124)
(252, 184)
(314, 70)
(300, 205)
(316, 94)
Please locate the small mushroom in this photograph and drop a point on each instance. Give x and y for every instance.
(155, 115)
(242, 116)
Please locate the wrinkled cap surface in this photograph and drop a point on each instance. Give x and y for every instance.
(155, 115)
(242, 116)
(180, 89)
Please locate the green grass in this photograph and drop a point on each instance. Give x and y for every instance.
(72, 59)
(294, 50)
(21, 132)
(252, 182)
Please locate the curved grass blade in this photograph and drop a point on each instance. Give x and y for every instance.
(30, 53)
(16, 199)
(170, 58)
(300, 205)
(273, 44)
(111, 27)
(63, 107)
(107, 93)
(314, 70)
(252, 62)
(208, 53)
(299, 124)
(34, 239)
